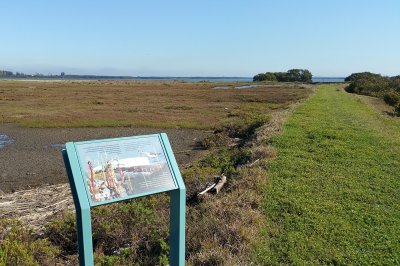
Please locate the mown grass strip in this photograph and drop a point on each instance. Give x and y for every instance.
(333, 192)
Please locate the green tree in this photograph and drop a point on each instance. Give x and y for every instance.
(4, 73)
(259, 77)
(292, 75)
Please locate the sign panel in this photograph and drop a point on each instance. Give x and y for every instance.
(110, 170)
(118, 169)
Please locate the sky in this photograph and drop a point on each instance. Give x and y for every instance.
(200, 38)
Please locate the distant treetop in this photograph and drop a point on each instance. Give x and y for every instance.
(4, 73)
(292, 75)
(361, 75)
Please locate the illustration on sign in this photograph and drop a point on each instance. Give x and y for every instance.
(120, 169)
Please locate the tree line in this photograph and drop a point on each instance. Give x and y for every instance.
(7, 74)
(376, 85)
(292, 75)
(4, 73)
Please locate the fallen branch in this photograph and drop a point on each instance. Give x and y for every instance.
(207, 189)
(216, 186)
(221, 182)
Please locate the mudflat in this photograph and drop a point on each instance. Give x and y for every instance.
(34, 157)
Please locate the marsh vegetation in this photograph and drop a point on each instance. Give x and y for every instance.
(221, 229)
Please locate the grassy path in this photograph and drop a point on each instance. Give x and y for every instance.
(333, 195)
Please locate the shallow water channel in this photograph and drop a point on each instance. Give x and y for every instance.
(238, 87)
(5, 140)
(247, 87)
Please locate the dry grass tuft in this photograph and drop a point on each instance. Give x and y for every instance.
(222, 230)
(263, 152)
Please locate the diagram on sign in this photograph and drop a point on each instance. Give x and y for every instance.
(121, 169)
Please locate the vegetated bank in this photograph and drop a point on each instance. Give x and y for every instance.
(376, 85)
(332, 195)
(222, 229)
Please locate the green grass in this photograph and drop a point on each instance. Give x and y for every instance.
(333, 194)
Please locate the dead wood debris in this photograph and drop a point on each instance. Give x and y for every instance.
(38, 206)
(216, 187)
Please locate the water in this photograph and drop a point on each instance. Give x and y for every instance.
(5, 141)
(221, 88)
(247, 86)
(201, 79)
(186, 79)
(328, 79)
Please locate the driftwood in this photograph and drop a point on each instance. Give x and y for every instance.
(221, 182)
(215, 187)
(207, 189)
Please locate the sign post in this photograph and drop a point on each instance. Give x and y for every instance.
(111, 170)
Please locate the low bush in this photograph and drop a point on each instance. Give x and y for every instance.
(243, 123)
(219, 139)
(392, 98)
(124, 233)
(226, 160)
(20, 246)
(371, 84)
(397, 110)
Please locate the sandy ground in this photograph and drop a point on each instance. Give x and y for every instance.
(34, 159)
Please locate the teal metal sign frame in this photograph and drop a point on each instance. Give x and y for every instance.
(84, 202)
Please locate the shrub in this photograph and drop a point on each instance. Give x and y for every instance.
(392, 98)
(128, 232)
(397, 109)
(219, 139)
(244, 124)
(19, 246)
(395, 83)
(378, 86)
(62, 232)
(369, 84)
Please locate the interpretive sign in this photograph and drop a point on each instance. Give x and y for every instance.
(110, 170)
(119, 169)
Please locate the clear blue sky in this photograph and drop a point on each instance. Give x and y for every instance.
(200, 38)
